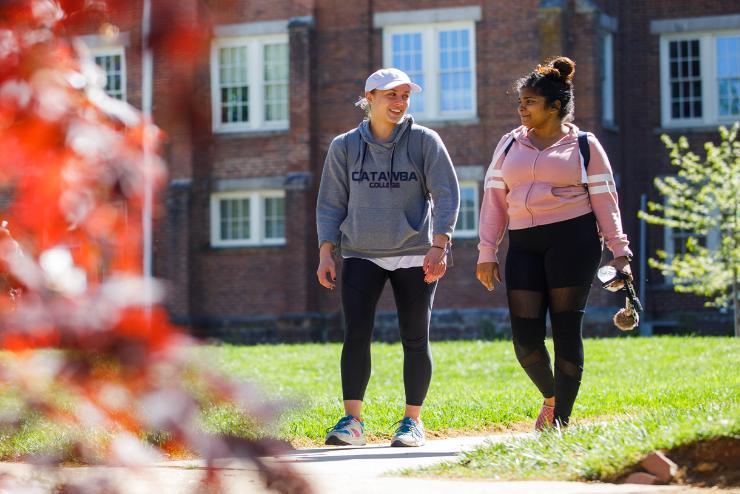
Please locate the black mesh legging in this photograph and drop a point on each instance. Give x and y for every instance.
(550, 267)
(362, 285)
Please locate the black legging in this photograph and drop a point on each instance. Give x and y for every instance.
(551, 267)
(362, 285)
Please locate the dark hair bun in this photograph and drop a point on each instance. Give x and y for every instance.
(565, 67)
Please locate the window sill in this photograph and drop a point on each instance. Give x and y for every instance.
(246, 133)
(240, 248)
(449, 122)
(610, 126)
(465, 236)
(691, 129)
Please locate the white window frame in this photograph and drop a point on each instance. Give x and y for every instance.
(430, 66)
(103, 51)
(470, 233)
(710, 95)
(256, 218)
(607, 83)
(255, 72)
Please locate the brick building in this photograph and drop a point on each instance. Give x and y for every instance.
(237, 235)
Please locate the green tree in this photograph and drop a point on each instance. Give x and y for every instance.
(702, 197)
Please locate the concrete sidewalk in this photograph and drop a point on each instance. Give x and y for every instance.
(333, 470)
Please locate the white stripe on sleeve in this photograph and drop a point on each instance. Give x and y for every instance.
(601, 189)
(604, 177)
(495, 184)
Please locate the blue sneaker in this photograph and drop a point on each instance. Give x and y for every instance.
(409, 434)
(347, 432)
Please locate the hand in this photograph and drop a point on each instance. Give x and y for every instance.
(487, 272)
(622, 264)
(327, 271)
(435, 264)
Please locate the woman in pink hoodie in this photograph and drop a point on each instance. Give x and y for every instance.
(556, 204)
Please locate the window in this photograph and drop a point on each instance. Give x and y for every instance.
(249, 80)
(700, 78)
(113, 63)
(607, 79)
(441, 58)
(467, 219)
(728, 75)
(685, 79)
(247, 218)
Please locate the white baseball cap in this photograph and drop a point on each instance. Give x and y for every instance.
(388, 79)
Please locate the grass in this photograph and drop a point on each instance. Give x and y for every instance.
(597, 451)
(651, 392)
(479, 386)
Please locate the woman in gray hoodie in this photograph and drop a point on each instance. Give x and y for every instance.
(389, 199)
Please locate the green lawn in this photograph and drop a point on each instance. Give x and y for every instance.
(650, 392)
(594, 451)
(479, 386)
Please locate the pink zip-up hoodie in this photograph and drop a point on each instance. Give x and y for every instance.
(528, 187)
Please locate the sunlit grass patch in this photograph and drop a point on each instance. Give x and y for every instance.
(594, 451)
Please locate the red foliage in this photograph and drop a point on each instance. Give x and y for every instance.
(73, 171)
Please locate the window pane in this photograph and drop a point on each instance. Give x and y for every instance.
(276, 62)
(695, 48)
(234, 219)
(728, 75)
(224, 231)
(112, 65)
(233, 78)
(455, 71)
(685, 79)
(276, 82)
(274, 218)
(407, 56)
(468, 217)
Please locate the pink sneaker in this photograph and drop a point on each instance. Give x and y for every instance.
(546, 418)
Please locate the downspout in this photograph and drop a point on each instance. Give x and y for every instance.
(646, 327)
(371, 41)
(146, 108)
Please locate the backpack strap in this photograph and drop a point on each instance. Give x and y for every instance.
(508, 146)
(416, 154)
(492, 172)
(352, 144)
(584, 148)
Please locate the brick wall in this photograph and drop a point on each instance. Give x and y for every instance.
(254, 281)
(330, 57)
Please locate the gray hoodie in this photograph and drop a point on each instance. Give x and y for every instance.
(373, 204)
